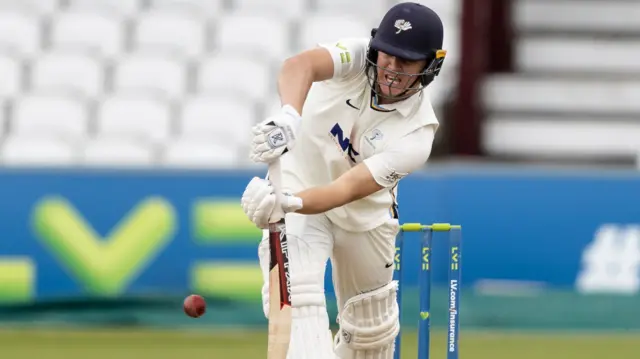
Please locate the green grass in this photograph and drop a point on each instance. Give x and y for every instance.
(125, 344)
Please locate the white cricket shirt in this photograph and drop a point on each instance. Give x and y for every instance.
(342, 127)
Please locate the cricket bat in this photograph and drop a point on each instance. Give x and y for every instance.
(279, 279)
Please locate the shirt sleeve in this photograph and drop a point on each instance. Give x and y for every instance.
(401, 158)
(349, 57)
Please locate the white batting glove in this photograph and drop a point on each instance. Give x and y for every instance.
(275, 135)
(259, 202)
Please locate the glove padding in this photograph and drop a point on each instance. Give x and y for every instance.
(275, 135)
(259, 202)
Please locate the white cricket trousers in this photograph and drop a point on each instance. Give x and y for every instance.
(361, 262)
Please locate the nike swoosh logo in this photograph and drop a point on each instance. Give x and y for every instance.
(388, 265)
(350, 105)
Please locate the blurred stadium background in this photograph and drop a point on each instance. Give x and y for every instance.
(124, 128)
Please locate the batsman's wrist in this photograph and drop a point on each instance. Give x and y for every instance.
(289, 110)
(293, 115)
(292, 203)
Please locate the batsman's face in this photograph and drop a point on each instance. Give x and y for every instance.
(395, 75)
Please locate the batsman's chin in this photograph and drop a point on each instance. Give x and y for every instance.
(389, 90)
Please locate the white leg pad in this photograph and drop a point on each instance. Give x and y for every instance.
(369, 324)
(307, 288)
(310, 334)
(311, 337)
(309, 322)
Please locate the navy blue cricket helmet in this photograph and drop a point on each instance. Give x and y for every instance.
(412, 32)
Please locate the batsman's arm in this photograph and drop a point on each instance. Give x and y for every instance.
(355, 184)
(380, 171)
(299, 72)
(325, 62)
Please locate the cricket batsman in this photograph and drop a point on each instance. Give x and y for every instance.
(355, 120)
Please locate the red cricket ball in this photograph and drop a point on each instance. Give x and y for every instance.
(195, 306)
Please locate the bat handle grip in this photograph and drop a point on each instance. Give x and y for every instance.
(275, 176)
